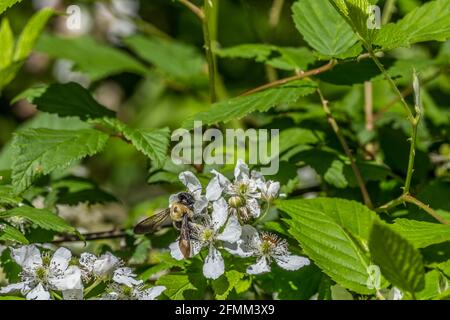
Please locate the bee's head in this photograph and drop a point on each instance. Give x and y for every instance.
(186, 198)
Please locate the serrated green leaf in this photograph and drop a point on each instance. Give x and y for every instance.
(6, 4)
(9, 233)
(428, 22)
(435, 284)
(8, 197)
(6, 44)
(323, 28)
(181, 286)
(31, 33)
(238, 107)
(333, 232)
(398, 260)
(151, 142)
(40, 217)
(40, 151)
(71, 99)
(285, 58)
(421, 234)
(30, 94)
(356, 13)
(225, 284)
(293, 285)
(177, 60)
(96, 60)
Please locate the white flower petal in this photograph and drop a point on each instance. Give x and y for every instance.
(69, 281)
(232, 231)
(221, 179)
(60, 260)
(219, 214)
(200, 204)
(253, 207)
(291, 262)
(191, 182)
(272, 191)
(214, 189)
(27, 257)
(261, 266)
(73, 294)
(106, 264)
(13, 288)
(241, 170)
(395, 294)
(214, 265)
(175, 251)
(38, 293)
(246, 245)
(126, 276)
(87, 261)
(151, 293)
(196, 247)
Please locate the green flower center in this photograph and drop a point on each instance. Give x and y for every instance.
(41, 274)
(208, 235)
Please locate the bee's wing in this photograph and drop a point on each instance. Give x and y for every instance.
(152, 223)
(185, 237)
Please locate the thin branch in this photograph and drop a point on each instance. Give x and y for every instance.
(410, 199)
(368, 111)
(196, 10)
(112, 234)
(406, 92)
(391, 82)
(412, 155)
(347, 150)
(299, 76)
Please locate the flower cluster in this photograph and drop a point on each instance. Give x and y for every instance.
(45, 277)
(221, 222)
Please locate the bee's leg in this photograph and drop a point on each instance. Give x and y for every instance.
(177, 224)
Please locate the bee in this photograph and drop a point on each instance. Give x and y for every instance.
(181, 212)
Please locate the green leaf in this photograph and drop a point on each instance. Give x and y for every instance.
(6, 44)
(238, 107)
(31, 33)
(74, 190)
(8, 233)
(71, 99)
(421, 234)
(225, 284)
(30, 94)
(333, 232)
(429, 22)
(6, 4)
(40, 151)
(7, 74)
(40, 217)
(398, 260)
(285, 58)
(181, 286)
(435, 284)
(323, 28)
(151, 142)
(8, 197)
(293, 285)
(356, 13)
(90, 57)
(177, 60)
